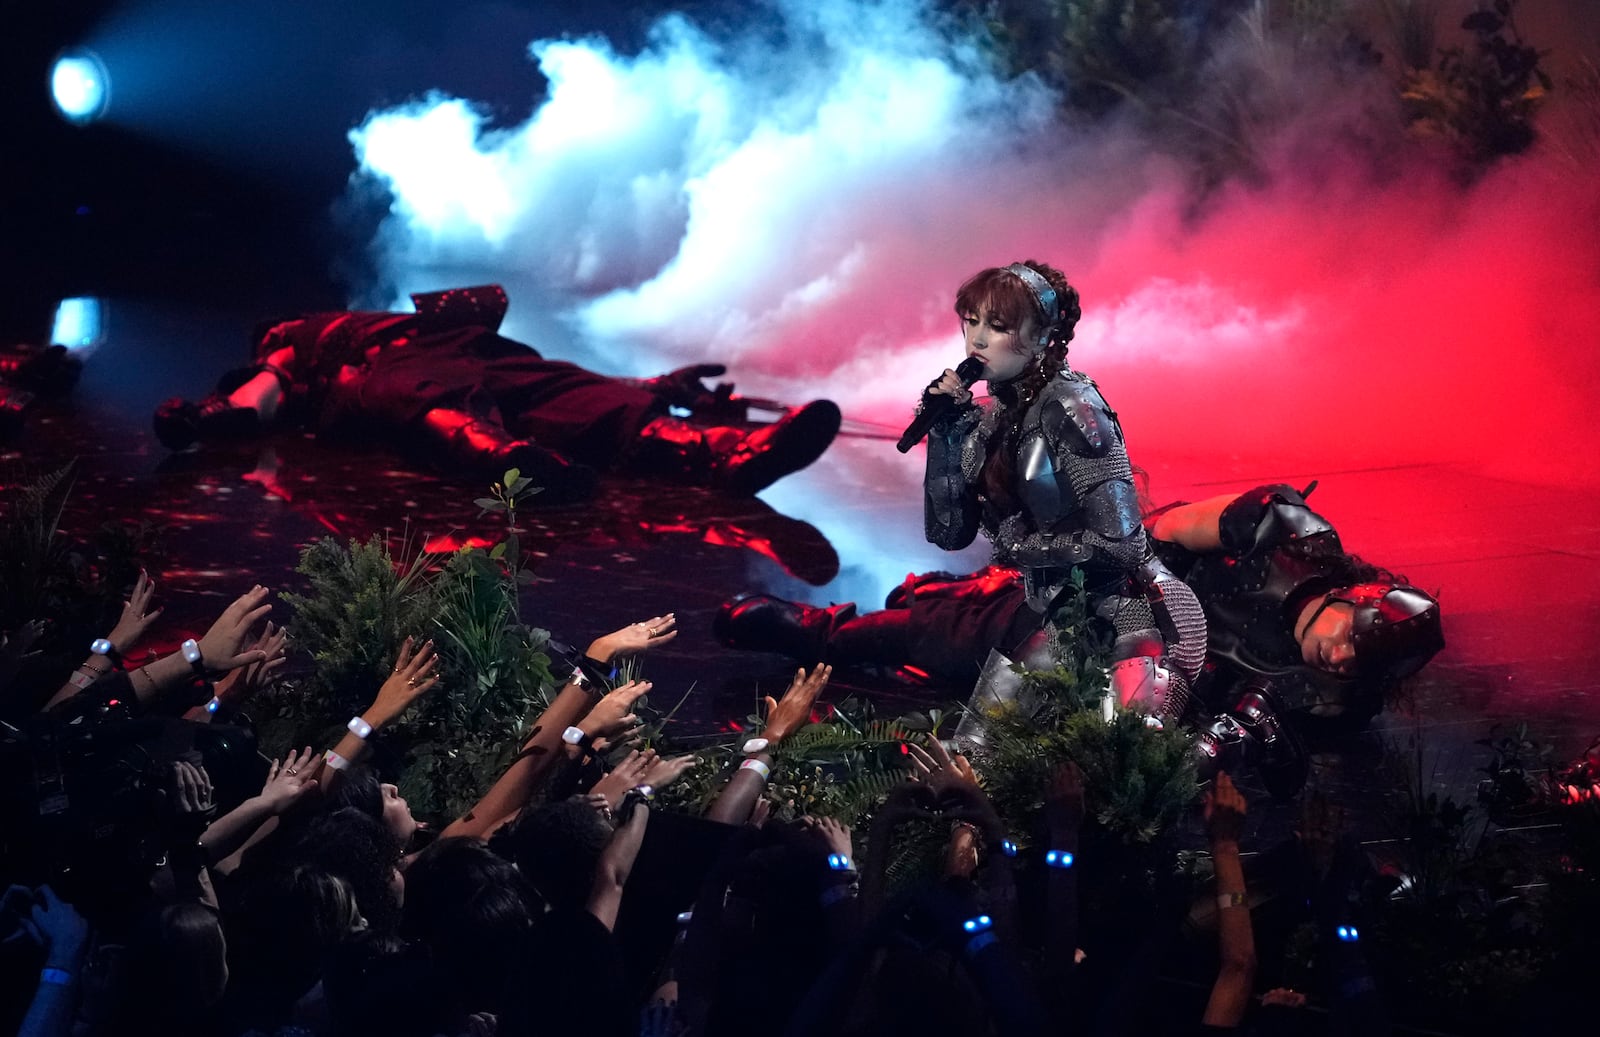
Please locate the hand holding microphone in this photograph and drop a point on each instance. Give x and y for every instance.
(948, 390)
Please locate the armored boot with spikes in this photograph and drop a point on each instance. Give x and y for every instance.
(1255, 734)
(762, 623)
(738, 462)
(461, 442)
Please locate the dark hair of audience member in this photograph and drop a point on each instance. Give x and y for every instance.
(377, 983)
(361, 850)
(357, 787)
(773, 942)
(286, 920)
(556, 847)
(883, 1008)
(178, 970)
(472, 909)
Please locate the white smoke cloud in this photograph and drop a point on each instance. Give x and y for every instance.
(801, 202)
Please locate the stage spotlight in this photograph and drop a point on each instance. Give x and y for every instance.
(80, 323)
(81, 86)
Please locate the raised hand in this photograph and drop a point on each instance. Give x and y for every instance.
(220, 647)
(954, 785)
(244, 683)
(64, 932)
(16, 644)
(635, 638)
(289, 780)
(624, 776)
(664, 771)
(190, 791)
(136, 619)
(1224, 810)
(613, 714)
(907, 801)
(412, 677)
(830, 834)
(794, 710)
(604, 746)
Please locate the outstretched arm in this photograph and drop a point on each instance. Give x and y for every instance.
(540, 752)
(1230, 995)
(221, 650)
(738, 797)
(610, 717)
(1196, 527)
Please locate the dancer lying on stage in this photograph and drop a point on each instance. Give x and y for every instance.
(1293, 622)
(449, 386)
(1041, 467)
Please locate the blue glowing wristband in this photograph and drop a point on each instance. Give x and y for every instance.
(103, 646)
(980, 932)
(1059, 858)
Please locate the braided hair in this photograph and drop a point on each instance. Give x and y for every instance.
(1003, 292)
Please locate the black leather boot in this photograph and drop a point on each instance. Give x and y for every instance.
(180, 424)
(763, 623)
(462, 443)
(738, 462)
(46, 370)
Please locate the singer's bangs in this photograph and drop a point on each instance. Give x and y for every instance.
(1000, 292)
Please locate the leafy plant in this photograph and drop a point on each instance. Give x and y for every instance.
(1455, 931)
(1516, 776)
(361, 604)
(1481, 99)
(76, 583)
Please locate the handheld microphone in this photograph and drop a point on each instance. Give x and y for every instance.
(935, 404)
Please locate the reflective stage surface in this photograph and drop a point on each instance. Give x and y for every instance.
(1516, 566)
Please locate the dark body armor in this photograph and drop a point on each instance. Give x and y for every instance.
(1078, 509)
(1253, 591)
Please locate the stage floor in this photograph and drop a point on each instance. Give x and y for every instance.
(1516, 565)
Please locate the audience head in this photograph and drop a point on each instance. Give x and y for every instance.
(471, 908)
(360, 788)
(556, 848)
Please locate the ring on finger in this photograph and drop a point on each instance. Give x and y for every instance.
(292, 770)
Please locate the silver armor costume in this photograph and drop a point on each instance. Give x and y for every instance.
(1078, 508)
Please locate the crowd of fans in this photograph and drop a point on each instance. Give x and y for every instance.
(164, 881)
